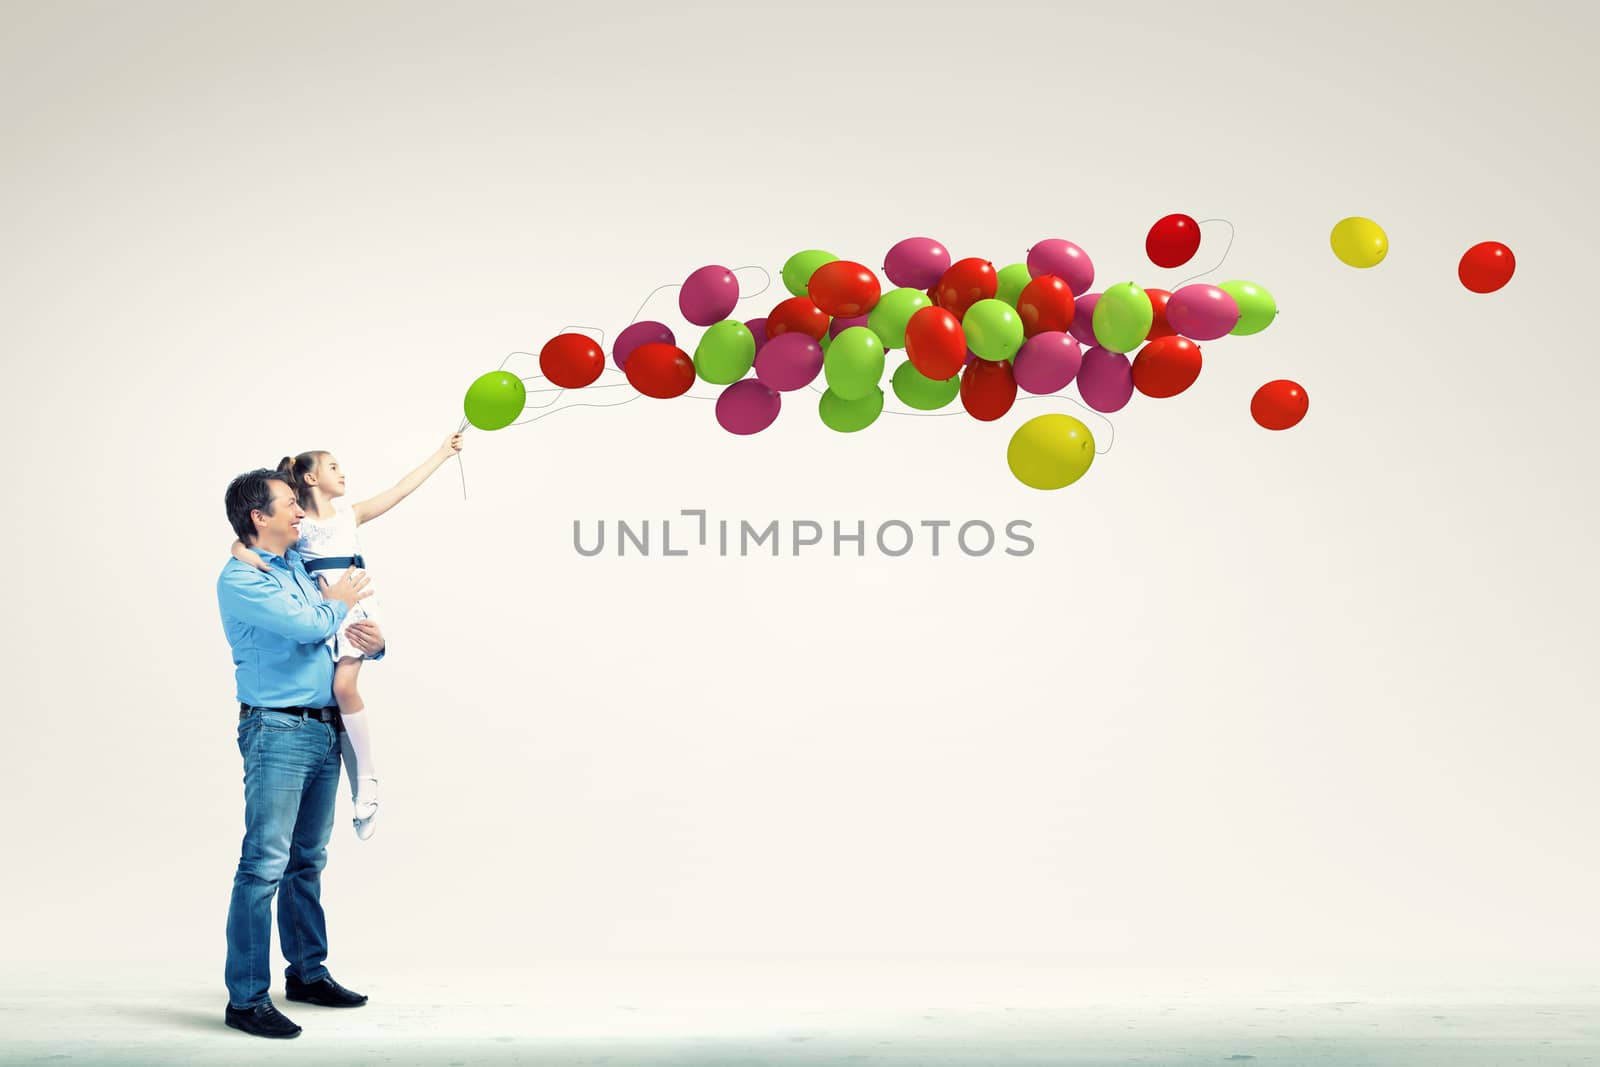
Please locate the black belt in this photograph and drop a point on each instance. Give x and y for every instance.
(329, 714)
(333, 563)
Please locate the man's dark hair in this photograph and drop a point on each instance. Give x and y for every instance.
(249, 492)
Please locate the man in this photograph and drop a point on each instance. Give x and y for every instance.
(278, 622)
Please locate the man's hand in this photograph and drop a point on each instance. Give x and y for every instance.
(350, 587)
(366, 636)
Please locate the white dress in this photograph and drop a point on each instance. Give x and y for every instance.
(328, 549)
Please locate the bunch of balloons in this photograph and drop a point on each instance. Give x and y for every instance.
(968, 331)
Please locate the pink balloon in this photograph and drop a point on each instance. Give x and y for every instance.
(747, 407)
(1105, 381)
(708, 295)
(1083, 319)
(1202, 312)
(1063, 259)
(838, 326)
(639, 333)
(789, 361)
(972, 357)
(916, 263)
(1047, 362)
(758, 330)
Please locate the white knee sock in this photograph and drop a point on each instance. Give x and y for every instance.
(355, 745)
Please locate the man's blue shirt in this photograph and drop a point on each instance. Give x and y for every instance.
(278, 625)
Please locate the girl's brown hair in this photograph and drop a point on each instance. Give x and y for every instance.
(296, 468)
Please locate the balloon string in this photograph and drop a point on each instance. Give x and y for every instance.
(746, 296)
(558, 390)
(1110, 426)
(646, 301)
(461, 464)
(1031, 396)
(1220, 262)
(764, 274)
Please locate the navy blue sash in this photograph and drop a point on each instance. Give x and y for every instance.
(334, 563)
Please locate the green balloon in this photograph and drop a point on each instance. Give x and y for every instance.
(848, 416)
(993, 329)
(917, 390)
(725, 353)
(798, 269)
(1013, 280)
(1257, 309)
(895, 308)
(495, 400)
(853, 364)
(1122, 318)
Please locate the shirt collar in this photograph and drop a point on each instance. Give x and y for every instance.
(289, 558)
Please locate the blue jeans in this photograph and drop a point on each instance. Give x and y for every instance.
(291, 778)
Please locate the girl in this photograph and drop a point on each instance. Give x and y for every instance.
(328, 543)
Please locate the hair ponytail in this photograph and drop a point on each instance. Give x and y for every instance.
(295, 468)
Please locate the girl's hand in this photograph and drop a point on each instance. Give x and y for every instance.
(244, 555)
(452, 444)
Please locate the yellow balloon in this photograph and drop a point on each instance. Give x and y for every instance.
(1050, 451)
(1359, 242)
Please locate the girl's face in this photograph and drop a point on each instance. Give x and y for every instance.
(330, 479)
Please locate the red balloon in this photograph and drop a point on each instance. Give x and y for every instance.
(844, 289)
(660, 370)
(965, 283)
(1159, 327)
(1045, 304)
(571, 360)
(799, 314)
(1279, 405)
(1486, 266)
(988, 389)
(1166, 366)
(1172, 241)
(936, 343)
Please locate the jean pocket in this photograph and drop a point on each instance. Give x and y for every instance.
(280, 722)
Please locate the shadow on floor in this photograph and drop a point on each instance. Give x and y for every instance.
(166, 1016)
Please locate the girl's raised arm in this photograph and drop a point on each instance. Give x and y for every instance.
(368, 510)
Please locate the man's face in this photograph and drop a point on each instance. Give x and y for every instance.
(282, 523)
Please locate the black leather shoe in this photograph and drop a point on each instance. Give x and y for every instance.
(263, 1020)
(327, 992)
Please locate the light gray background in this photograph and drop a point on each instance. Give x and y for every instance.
(1290, 700)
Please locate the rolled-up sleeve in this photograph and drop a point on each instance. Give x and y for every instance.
(256, 599)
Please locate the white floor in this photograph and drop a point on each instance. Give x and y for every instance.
(941, 1014)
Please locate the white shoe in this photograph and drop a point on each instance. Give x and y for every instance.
(365, 828)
